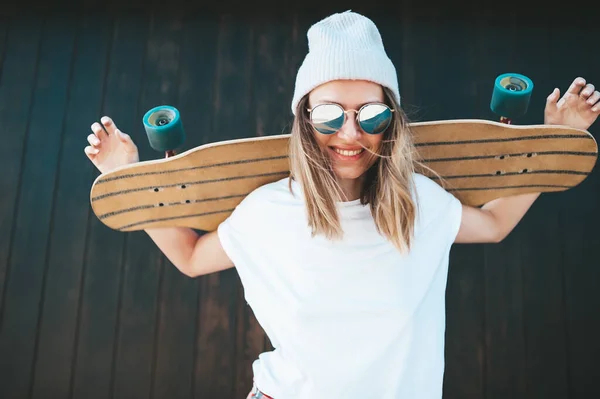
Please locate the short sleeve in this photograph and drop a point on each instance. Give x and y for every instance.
(242, 236)
(235, 232)
(437, 210)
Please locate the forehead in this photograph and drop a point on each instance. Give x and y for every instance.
(348, 93)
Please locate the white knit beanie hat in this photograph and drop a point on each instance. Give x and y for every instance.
(344, 46)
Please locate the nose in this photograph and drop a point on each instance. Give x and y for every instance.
(350, 130)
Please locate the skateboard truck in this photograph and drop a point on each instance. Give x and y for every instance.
(511, 95)
(164, 129)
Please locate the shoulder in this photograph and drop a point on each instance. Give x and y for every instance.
(261, 202)
(429, 192)
(434, 203)
(426, 184)
(269, 194)
(260, 215)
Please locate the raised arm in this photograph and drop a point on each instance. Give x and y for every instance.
(193, 254)
(579, 108)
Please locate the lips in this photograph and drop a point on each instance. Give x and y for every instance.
(348, 153)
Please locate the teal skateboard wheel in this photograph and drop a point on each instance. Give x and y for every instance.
(511, 95)
(164, 129)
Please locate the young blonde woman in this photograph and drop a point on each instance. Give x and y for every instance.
(344, 264)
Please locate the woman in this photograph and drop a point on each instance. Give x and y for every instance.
(344, 264)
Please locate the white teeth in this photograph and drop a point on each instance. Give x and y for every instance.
(348, 153)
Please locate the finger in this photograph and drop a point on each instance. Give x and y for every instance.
(593, 99)
(576, 86)
(126, 139)
(552, 99)
(108, 124)
(588, 90)
(93, 140)
(91, 152)
(554, 96)
(99, 131)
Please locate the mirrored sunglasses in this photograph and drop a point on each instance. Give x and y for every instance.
(373, 118)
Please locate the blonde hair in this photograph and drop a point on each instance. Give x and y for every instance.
(388, 183)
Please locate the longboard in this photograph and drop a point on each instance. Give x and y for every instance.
(476, 160)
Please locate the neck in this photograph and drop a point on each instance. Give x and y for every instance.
(352, 187)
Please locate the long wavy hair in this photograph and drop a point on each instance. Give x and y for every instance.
(388, 183)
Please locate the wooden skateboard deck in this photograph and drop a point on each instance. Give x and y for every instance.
(477, 160)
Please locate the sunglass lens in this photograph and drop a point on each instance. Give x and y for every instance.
(327, 118)
(375, 118)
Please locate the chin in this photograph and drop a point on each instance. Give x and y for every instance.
(349, 174)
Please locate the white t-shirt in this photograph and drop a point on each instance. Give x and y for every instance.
(352, 318)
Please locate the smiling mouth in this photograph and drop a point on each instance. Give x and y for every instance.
(348, 153)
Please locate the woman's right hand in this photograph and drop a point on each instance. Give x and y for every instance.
(109, 147)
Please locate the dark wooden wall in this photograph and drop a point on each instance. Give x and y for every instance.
(86, 312)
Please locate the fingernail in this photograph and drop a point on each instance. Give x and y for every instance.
(105, 120)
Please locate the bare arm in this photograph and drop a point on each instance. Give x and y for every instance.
(579, 108)
(193, 254)
(495, 220)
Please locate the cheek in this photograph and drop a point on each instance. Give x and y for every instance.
(374, 140)
(322, 139)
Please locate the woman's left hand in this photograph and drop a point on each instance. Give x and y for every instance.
(578, 108)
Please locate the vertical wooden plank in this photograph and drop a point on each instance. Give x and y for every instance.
(456, 80)
(4, 23)
(67, 238)
(465, 334)
(542, 237)
(196, 96)
(304, 18)
(571, 57)
(580, 221)
(136, 336)
(503, 285)
(177, 294)
(421, 99)
(273, 75)
(33, 219)
(197, 77)
(405, 27)
(505, 343)
(272, 91)
(400, 30)
(18, 77)
(215, 363)
(101, 296)
(250, 344)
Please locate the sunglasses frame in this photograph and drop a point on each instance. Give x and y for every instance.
(345, 112)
